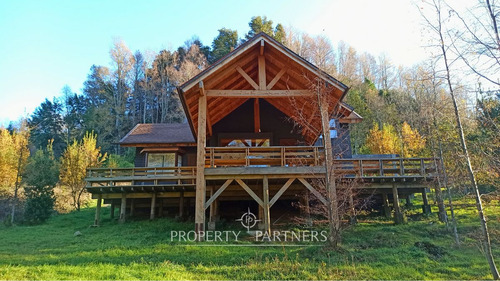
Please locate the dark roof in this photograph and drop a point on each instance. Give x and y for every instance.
(159, 134)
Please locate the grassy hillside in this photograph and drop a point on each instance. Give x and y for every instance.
(421, 249)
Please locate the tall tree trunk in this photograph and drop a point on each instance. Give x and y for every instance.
(16, 186)
(465, 151)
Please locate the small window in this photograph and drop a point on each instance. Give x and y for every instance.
(161, 160)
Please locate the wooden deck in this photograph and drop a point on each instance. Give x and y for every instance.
(224, 163)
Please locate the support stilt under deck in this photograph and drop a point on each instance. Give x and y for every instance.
(267, 211)
(181, 205)
(153, 207)
(385, 203)
(98, 210)
(123, 207)
(112, 211)
(132, 207)
(352, 209)
(426, 208)
(398, 215)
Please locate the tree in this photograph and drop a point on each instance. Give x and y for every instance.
(21, 140)
(46, 124)
(412, 142)
(383, 141)
(225, 42)
(78, 157)
(40, 183)
(438, 29)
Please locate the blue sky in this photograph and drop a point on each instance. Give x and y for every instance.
(48, 44)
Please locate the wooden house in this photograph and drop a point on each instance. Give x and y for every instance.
(254, 133)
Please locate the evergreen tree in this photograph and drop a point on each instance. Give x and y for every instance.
(42, 174)
(225, 42)
(46, 124)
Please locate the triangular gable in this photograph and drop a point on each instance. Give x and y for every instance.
(261, 68)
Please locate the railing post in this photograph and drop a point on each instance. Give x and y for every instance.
(381, 166)
(247, 154)
(401, 167)
(422, 167)
(282, 156)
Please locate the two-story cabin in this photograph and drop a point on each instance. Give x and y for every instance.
(253, 137)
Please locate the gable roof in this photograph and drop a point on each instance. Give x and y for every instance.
(158, 134)
(261, 68)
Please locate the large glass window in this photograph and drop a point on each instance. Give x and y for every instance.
(245, 142)
(161, 160)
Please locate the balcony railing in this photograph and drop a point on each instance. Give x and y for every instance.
(273, 156)
(172, 178)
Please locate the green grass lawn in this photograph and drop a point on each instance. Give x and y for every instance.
(141, 249)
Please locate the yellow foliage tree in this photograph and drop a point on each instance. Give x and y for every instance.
(78, 157)
(14, 153)
(385, 141)
(413, 143)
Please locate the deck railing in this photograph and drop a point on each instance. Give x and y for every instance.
(273, 156)
(286, 157)
(142, 177)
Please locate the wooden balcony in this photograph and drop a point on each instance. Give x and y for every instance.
(253, 162)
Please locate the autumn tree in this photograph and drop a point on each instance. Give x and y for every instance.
(437, 26)
(78, 157)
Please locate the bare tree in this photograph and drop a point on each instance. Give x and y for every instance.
(437, 27)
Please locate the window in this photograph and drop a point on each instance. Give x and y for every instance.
(161, 159)
(245, 142)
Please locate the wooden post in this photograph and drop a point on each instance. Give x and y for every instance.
(408, 201)
(123, 207)
(153, 206)
(181, 205)
(256, 116)
(385, 202)
(426, 208)
(98, 210)
(199, 220)
(160, 208)
(112, 211)
(132, 207)
(443, 217)
(398, 215)
(267, 211)
(211, 218)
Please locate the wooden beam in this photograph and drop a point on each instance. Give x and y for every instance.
(123, 207)
(276, 79)
(398, 215)
(386, 208)
(202, 88)
(313, 191)
(280, 192)
(262, 72)
(200, 165)
(181, 204)
(217, 193)
(256, 116)
(426, 208)
(248, 78)
(98, 210)
(259, 93)
(266, 205)
(153, 207)
(261, 52)
(250, 192)
(112, 211)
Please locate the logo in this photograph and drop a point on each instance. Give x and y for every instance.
(248, 220)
